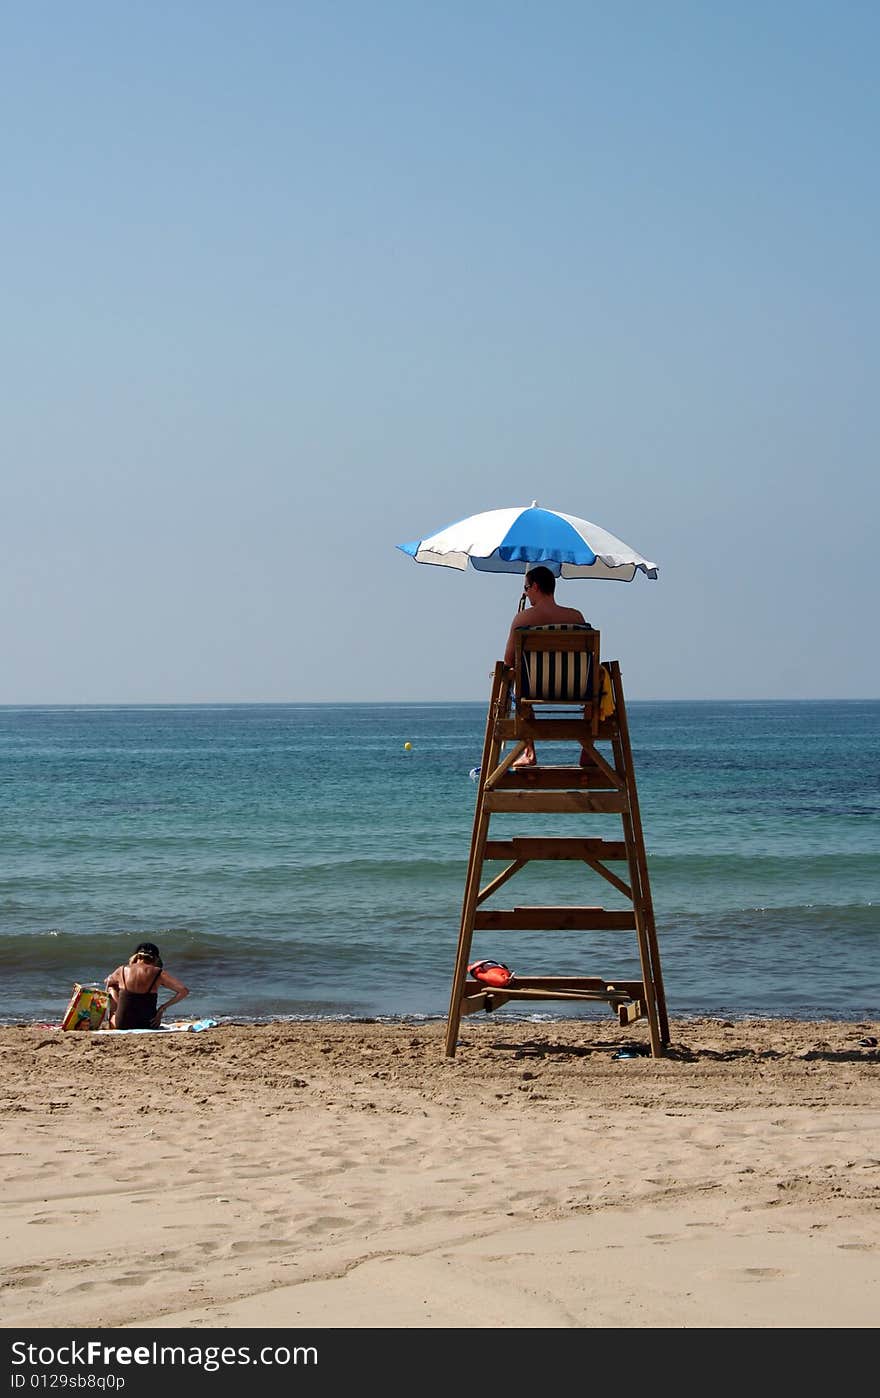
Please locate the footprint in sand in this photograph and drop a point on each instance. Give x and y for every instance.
(244, 1246)
(745, 1274)
(24, 1276)
(327, 1225)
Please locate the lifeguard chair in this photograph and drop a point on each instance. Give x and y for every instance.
(559, 692)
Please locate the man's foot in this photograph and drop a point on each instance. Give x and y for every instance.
(526, 758)
(586, 759)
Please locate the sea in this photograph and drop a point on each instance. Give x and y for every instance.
(307, 861)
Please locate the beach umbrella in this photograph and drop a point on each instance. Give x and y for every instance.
(514, 540)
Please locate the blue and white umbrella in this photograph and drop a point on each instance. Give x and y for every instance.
(514, 540)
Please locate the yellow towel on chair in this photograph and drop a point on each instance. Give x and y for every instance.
(606, 697)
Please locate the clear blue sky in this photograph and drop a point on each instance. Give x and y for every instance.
(285, 284)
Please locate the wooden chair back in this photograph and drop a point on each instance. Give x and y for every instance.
(559, 665)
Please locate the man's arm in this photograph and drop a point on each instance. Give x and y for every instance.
(510, 651)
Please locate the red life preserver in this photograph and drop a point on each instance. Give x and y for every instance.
(491, 972)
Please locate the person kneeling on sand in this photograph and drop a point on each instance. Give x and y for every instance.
(133, 990)
(543, 610)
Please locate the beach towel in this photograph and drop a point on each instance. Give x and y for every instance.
(179, 1026)
(606, 697)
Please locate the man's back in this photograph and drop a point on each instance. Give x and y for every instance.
(544, 610)
(547, 612)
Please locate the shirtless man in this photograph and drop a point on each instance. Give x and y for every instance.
(543, 610)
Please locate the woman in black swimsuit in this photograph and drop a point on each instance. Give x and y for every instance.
(134, 990)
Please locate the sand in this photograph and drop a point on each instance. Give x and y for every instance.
(318, 1175)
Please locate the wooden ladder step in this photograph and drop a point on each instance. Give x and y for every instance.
(553, 779)
(488, 999)
(546, 730)
(554, 847)
(547, 802)
(536, 919)
(628, 989)
(624, 997)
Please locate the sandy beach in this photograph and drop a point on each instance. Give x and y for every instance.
(335, 1175)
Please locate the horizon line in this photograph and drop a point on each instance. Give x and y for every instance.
(409, 703)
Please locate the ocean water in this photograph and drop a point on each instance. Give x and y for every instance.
(297, 861)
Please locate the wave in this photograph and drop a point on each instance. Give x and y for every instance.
(342, 944)
(850, 919)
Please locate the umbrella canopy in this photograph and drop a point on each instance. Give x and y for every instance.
(514, 540)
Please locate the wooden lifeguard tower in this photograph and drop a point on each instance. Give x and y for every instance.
(558, 692)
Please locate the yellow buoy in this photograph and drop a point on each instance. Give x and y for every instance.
(407, 747)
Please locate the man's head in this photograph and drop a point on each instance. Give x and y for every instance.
(541, 579)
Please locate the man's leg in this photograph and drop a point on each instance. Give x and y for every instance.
(526, 758)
